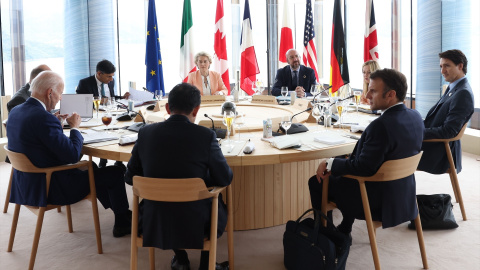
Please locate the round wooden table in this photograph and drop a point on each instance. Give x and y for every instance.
(270, 186)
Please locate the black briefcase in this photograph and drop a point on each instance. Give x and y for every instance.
(308, 245)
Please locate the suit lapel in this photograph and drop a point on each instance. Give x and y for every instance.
(446, 97)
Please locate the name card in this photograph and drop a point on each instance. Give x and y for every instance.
(160, 105)
(264, 99)
(213, 99)
(301, 104)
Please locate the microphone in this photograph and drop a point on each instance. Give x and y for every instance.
(213, 124)
(307, 110)
(321, 92)
(220, 132)
(346, 98)
(144, 88)
(137, 126)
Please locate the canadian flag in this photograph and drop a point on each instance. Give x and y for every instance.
(220, 46)
(286, 37)
(248, 60)
(370, 45)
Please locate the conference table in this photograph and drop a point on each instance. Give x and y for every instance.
(270, 186)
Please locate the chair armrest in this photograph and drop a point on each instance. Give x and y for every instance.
(216, 190)
(80, 164)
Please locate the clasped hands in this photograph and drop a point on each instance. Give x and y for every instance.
(322, 173)
(300, 91)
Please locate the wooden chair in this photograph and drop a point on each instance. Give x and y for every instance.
(389, 171)
(180, 190)
(20, 162)
(452, 171)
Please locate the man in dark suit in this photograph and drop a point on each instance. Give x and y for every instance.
(296, 77)
(101, 84)
(35, 132)
(178, 148)
(447, 117)
(396, 134)
(24, 93)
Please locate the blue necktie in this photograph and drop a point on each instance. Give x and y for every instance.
(103, 91)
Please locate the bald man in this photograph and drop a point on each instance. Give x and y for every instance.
(23, 93)
(35, 132)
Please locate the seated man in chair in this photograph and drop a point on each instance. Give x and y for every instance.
(178, 148)
(35, 132)
(396, 134)
(447, 117)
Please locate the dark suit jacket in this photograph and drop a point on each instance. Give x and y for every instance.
(89, 86)
(178, 148)
(306, 77)
(443, 121)
(396, 134)
(38, 134)
(19, 97)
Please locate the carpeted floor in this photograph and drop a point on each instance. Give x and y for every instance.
(254, 250)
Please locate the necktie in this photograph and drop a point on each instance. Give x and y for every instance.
(295, 79)
(446, 91)
(103, 90)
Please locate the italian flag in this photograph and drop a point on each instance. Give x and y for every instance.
(187, 61)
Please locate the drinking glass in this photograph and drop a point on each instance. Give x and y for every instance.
(286, 123)
(254, 87)
(228, 120)
(340, 108)
(259, 88)
(314, 90)
(284, 92)
(317, 112)
(239, 122)
(158, 94)
(357, 94)
(112, 104)
(107, 119)
(96, 103)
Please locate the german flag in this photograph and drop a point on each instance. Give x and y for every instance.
(338, 59)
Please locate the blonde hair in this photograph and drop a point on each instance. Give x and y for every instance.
(372, 65)
(203, 54)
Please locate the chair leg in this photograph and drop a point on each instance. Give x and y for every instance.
(230, 228)
(453, 184)
(93, 198)
(36, 238)
(59, 209)
(454, 179)
(133, 236)
(370, 227)
(7, 198)
(14, 227)
(324, 200)
(421, 242)
(69, 218)
(151, 257)
(213, 235)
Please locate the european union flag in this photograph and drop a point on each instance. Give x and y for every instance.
(153, 57)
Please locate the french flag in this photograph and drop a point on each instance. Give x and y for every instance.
(248, 61)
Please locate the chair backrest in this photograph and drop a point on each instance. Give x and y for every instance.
(456, 138)
(170, 190)
(20, 162)
(393, 169)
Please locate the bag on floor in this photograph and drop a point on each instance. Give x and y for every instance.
(308, 245)
(435, 212)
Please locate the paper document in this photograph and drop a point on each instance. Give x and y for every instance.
(91, 136)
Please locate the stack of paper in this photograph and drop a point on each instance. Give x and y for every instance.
(282, 142)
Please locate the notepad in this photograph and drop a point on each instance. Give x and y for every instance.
(82, 104)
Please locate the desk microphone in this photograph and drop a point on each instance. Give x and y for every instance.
(321, 92)
(144, 88)
(221, 133)
(346, 98)
(307, 110)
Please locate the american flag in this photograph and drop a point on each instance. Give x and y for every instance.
(309, 51)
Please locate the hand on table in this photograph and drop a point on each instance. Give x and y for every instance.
(300, 91)
(74, 120)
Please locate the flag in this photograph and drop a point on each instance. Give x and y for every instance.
(248, 59)
(220, 46)
(286, 36)
(153, 56)
(338, 59)
(370, 44)
(396, 29)
(309, 51)
(187, 62)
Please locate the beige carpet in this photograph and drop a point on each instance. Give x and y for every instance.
(256, 249)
